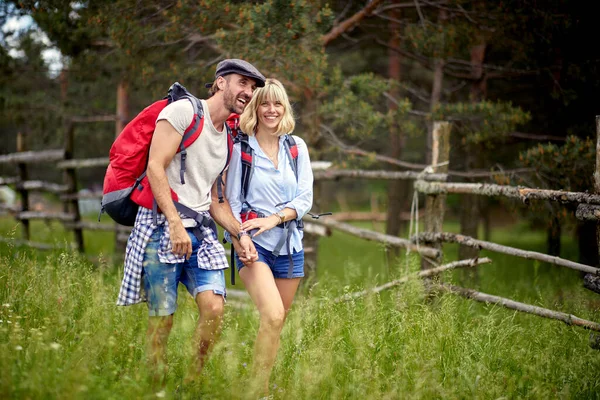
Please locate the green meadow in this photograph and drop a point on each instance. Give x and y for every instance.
(63, 337)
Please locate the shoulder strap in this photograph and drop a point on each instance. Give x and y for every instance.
(247, 165)
(227, 160)
(191, 133)
(291, 148)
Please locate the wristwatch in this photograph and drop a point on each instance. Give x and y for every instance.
(242, 233)
(281, 216)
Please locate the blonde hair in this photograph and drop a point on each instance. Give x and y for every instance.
(272, 91)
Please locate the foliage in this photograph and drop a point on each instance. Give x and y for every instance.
(483, 122)
(438, 39)
(31, 108)
(283, 38)
(357, 105)
(355, 110)
(569, 166)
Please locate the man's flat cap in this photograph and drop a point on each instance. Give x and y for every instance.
(236, 66)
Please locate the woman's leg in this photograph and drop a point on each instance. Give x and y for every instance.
(261, 286)
(287, 290)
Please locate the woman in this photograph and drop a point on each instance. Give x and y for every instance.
(277, 199)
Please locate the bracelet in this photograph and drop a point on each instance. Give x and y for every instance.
(281, 216)
(242, 233)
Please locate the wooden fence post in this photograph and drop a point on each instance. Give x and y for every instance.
(120, 122)
(435, 204)
(70, 178)
(597, 176)
(23, 193)
(311, 244)
(590, 281)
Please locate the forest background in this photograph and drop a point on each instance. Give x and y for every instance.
(515, 77)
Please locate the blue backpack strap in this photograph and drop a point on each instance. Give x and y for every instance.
(200, 219)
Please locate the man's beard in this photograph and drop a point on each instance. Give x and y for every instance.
(231, 103)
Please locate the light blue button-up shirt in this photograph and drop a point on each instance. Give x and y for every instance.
(270, 186)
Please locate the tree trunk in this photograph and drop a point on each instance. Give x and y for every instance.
(398, 189)
(469, 212)
(588, 245)
(436, 94)
(553, 236)
(436, 90)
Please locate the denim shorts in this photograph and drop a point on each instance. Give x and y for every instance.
(161, 280)
(279, 265)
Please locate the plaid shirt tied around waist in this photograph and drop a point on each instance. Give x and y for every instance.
(211, 254)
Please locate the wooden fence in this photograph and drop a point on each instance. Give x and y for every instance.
(431, 182)
(429, 243)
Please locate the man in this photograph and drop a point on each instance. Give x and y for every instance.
(177, 248)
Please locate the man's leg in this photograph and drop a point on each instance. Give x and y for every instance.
(160, 284)
(157, 336)
(211, 307)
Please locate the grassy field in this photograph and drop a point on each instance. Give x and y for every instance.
(62, 337)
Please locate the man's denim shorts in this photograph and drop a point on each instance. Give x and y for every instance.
(279, 265)
(161, 280)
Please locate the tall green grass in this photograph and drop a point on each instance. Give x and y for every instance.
(63, 337)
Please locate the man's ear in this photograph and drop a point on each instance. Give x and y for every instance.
(221, 82)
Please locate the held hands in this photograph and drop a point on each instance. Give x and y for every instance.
(244, 247)
(262, 224)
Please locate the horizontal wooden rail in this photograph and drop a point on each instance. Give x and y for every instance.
(8, 180)
(33, 157)
(35, 245)
(369, 216)
(375, 236)
(367, 174)
(97, 226)
(83, 163)
(568, 319)
(588, 212)
(88, 195)
(498, 248)
(42, 186)
(60, 216)
(5, 208)
(522, 193)
(421, 274)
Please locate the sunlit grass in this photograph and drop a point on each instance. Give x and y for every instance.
(62, 336)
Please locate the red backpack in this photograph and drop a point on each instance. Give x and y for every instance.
(126, 186)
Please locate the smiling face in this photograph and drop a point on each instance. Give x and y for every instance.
(270, 113)
(237, 92)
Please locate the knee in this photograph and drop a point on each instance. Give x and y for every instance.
(273, 319)
(212, 311)
(160, 326)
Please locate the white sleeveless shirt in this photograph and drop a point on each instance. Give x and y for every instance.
(206, 157)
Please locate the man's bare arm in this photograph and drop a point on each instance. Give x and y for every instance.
(222, 214)
(164, 145)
